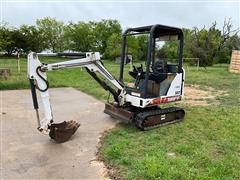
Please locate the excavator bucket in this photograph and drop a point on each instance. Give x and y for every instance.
(61, 132)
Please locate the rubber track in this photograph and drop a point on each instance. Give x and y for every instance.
(142, 116)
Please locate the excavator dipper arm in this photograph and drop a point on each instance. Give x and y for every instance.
(61, 132)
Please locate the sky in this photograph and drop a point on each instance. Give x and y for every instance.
(177, 13)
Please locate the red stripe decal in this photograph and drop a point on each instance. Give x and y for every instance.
(165, 100)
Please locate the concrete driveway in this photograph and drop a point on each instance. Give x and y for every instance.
(27, 154)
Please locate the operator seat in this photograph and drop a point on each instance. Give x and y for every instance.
(158, 74)
(160, 71)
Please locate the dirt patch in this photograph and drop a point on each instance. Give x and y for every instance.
(107, 172)
(103, 172)
(197, 96)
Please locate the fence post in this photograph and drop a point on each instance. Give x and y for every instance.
(18, 62)
(197, 63)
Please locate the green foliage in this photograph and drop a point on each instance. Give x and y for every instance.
(103, 30)
(205, 45)
(52, 33)
(142, 47)
(233, 43)
(136, 46)
(93, 36)
(169, 50)
(80, 37)
(32, 39)
(209, 45)
(133, 46)
(10, 39)
(113, 49)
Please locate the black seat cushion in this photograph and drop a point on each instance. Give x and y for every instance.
(159, 73)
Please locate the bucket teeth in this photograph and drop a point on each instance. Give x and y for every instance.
(61, 132)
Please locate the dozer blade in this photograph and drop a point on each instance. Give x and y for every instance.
(118, 112)
(61, 132)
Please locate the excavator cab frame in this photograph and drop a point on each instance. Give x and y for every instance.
(153, 32)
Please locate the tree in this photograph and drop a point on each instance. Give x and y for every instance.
(227, 33)
(169, 50)
(80, 37)
(92, 36)
(142, 47)
(233, 43)
(11, 40)
(187, 43)
(33, 39)
(205, 44)
(19, 40)
(209, 45)
(113, 49)
(103, 30)
(52, 33)
(6, 41)
(136, 46)
(230, 40)
(133, 46)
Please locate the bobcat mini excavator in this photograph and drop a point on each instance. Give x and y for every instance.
(154, 83)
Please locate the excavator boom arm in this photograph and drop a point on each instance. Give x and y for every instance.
(38, 79)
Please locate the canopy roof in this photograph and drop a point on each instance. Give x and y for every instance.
(157, 30)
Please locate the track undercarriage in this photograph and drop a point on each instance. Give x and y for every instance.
(148, 118)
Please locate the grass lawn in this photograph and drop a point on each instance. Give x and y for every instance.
(205, 146)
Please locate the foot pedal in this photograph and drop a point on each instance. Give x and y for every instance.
(61, 132)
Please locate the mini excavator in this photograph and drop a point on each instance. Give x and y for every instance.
(154, 83)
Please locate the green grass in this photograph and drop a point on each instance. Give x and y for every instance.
(206, 145)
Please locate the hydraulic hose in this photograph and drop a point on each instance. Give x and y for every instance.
(47, 84)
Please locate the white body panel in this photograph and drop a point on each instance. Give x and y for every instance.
(176, 86)
(174, 93)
